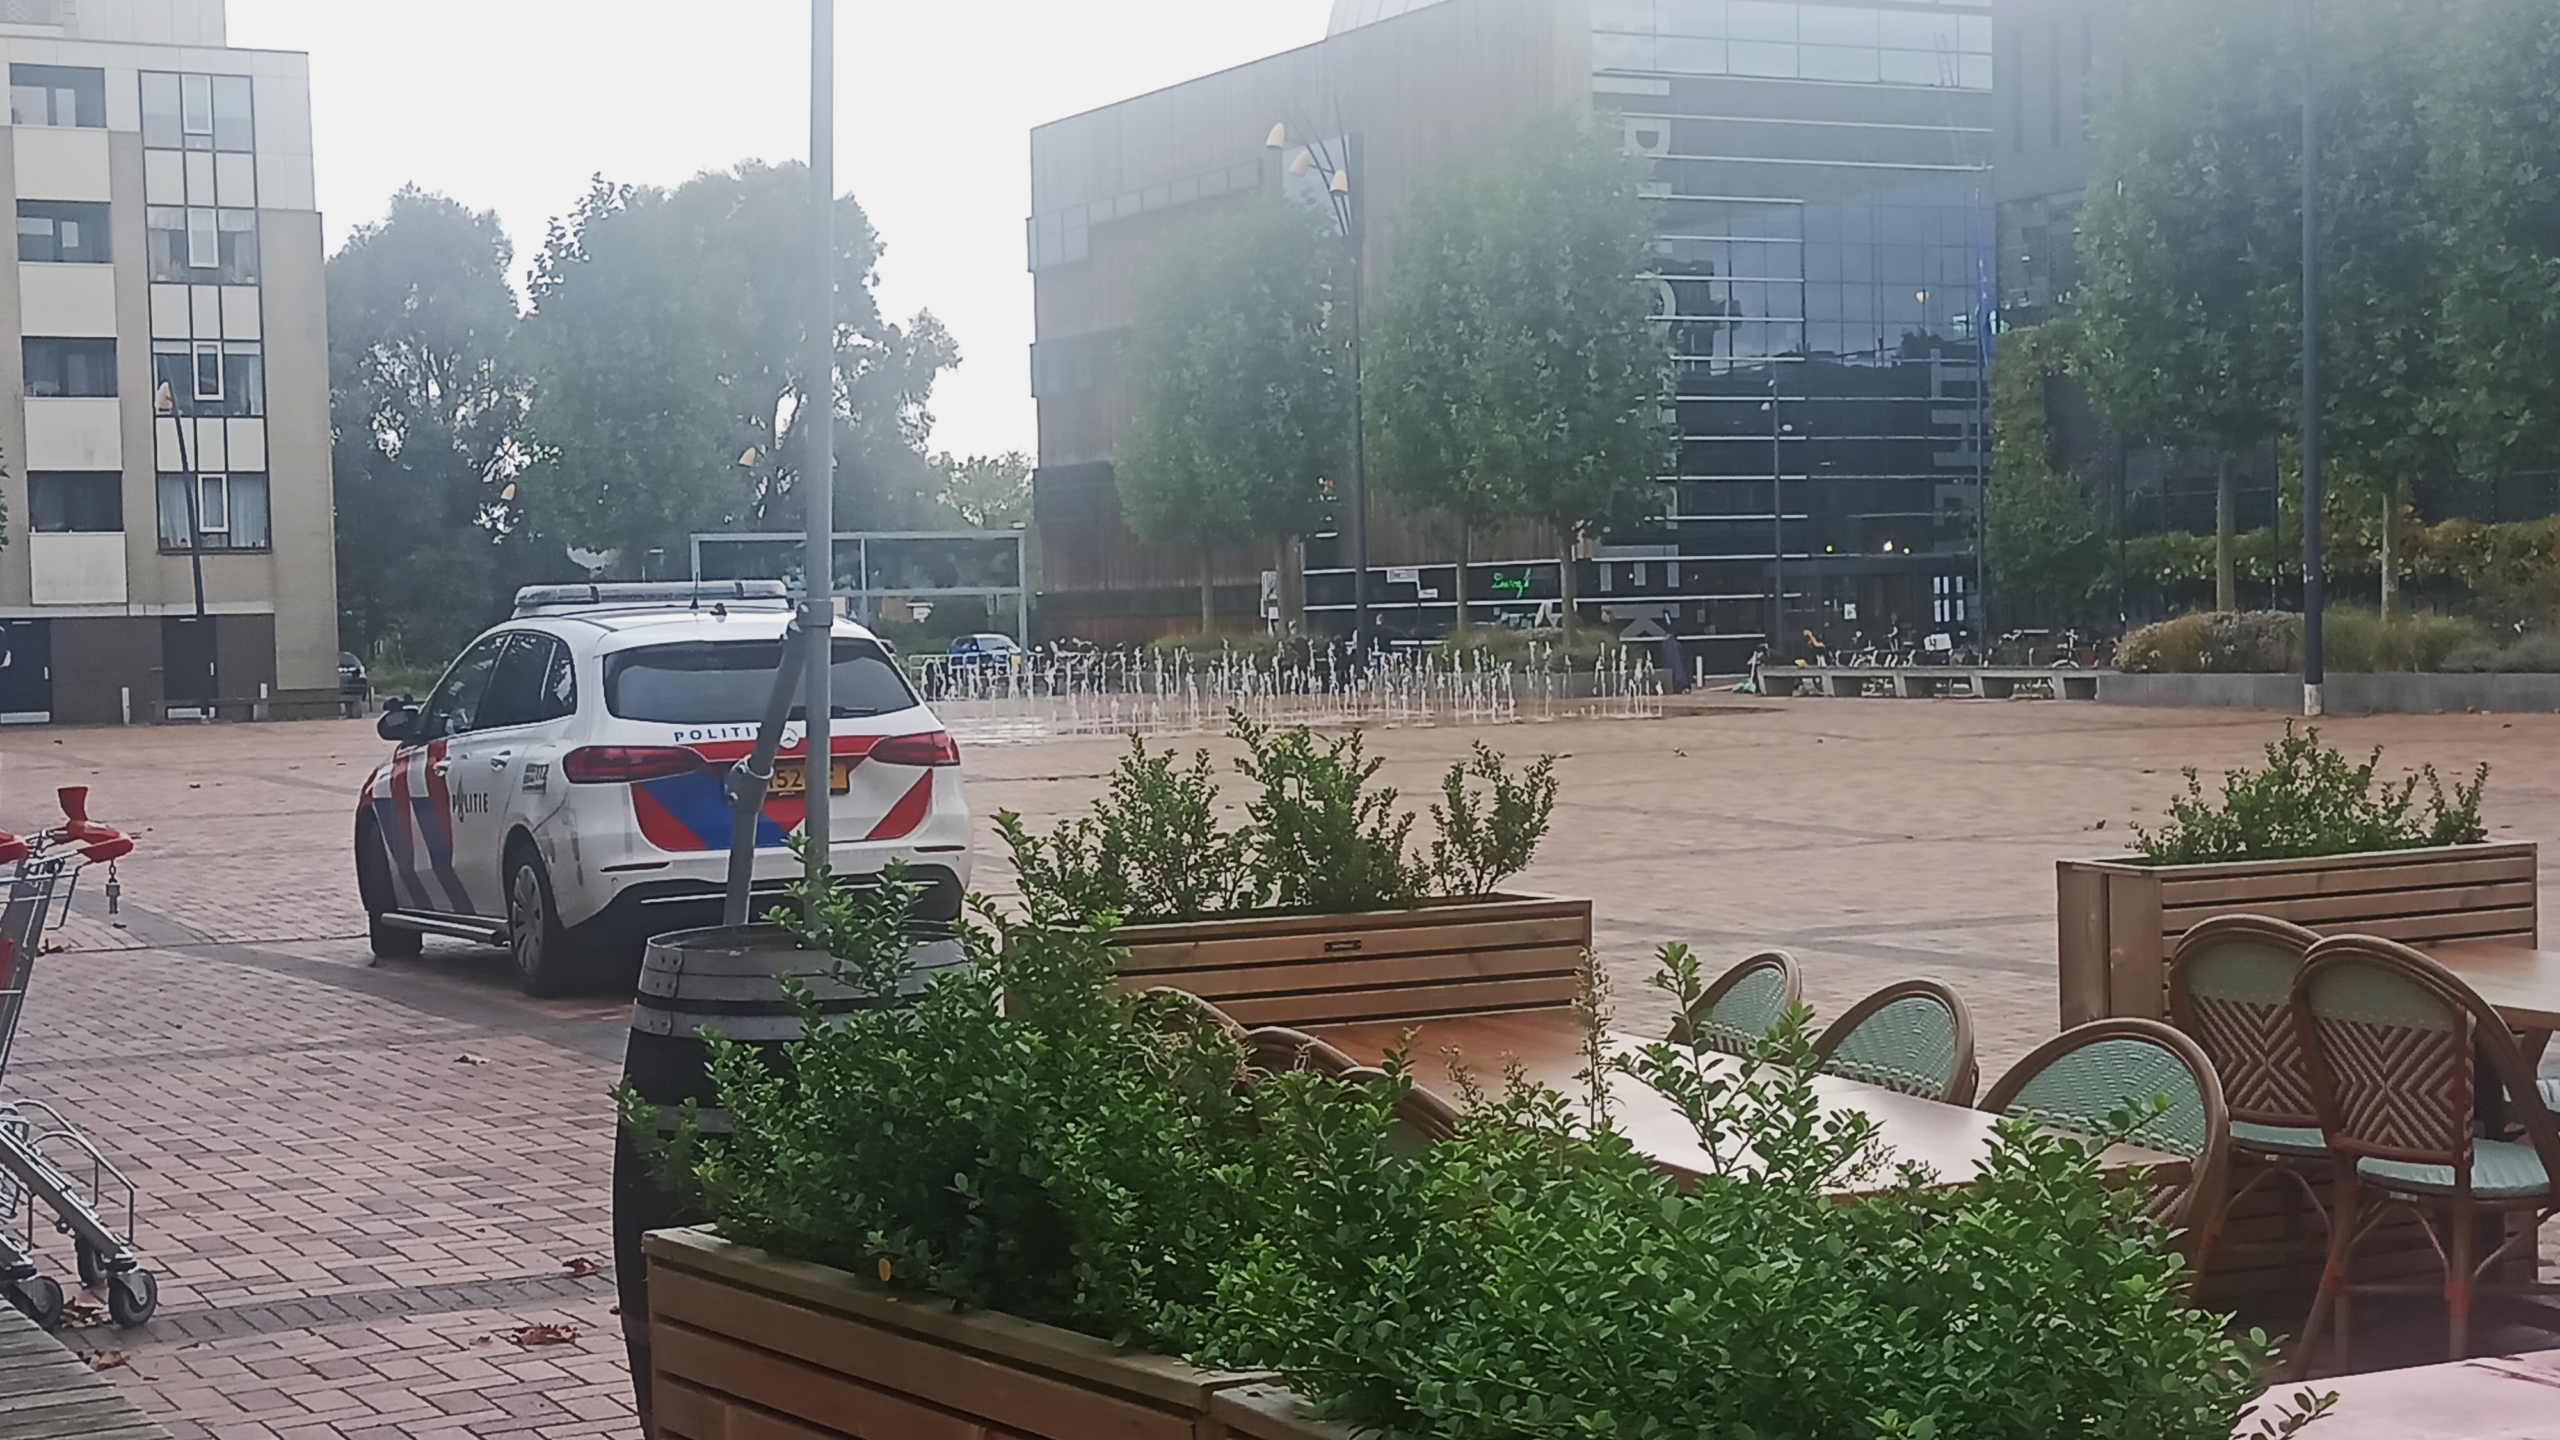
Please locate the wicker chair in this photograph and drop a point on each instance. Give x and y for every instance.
(2231, 990)
(2081, 1078)
(1273, 1049)
(1422, 1116)
(2393, 1042)
(1224, 1023)
(1915, 1037)
(1745, 1002)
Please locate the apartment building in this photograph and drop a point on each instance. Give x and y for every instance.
(170, 541)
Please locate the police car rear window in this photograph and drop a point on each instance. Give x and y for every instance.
(726, 682)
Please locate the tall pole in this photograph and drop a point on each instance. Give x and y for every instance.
(1354, 233)
(818, 477)
(2314, 666)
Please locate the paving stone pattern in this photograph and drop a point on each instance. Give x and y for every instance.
(362, 1183)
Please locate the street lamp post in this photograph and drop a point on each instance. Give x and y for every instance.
(1347, 219)
(2314, 666)
(818, 481)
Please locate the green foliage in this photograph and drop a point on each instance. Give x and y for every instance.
(1490, 821)
(1239, 398)
(1533, 1278)
(2211, 642)
(1017, 1137)
(666, 342)
(2311, 800)
(1320, 834)
(985, 492)
(2361, 642)
(2186, 298)
(2353, 641)
(1014, 1135)
(426, 403)
(1151, 849)
(1325, 836)
(2047, 552)
(1514, 370)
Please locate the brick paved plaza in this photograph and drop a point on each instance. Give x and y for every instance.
(362, 1184)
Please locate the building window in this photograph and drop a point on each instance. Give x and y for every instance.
(70, 502)
(196, 112)
(63, 231)
(212, 379)
(230, 511)
(58, 95)
(202, 247)
(70, 367)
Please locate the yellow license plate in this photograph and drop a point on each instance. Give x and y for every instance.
(791, 777)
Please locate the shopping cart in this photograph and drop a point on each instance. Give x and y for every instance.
(42, 1155)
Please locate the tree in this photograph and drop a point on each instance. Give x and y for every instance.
(1239, 401)
(427, 403)
(2191, 240)
(666, 335)
(1517, 370)
(2046, 551)
(2493, 122)
(986, 492)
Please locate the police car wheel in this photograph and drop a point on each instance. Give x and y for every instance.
(373, 884)
(547, 960)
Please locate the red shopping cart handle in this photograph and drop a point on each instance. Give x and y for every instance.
(99, 852)
(12, 849)
(77, 827)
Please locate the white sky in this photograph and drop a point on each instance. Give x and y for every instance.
(511, 105)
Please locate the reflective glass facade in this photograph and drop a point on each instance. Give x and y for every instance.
(1820, 175)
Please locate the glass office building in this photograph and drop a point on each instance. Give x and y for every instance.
(1821, 175)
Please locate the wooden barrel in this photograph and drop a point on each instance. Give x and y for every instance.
(726, 981)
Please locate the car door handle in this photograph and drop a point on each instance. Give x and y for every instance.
(499, 760)
(439, 768)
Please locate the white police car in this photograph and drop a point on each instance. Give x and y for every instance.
(560, 791)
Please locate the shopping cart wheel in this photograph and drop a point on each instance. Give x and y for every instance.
(131, 1297)
(39, 1298)
(93, 1267)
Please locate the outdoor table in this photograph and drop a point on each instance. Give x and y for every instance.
(1547, 1046)
(2521, 984)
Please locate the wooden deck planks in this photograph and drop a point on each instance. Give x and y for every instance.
(47, 1393)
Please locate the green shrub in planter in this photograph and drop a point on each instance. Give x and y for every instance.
(1534, 1278)
(1320, 834)
(2311, 800)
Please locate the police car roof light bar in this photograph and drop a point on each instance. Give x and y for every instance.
(535, 600)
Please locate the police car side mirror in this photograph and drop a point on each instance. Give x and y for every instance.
(399, 722)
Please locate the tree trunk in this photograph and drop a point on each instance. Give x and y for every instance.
(1208, 592)
(1564, 588)
(2226, 535)
(2390, 555)
(1466, 549)
(1293, 585)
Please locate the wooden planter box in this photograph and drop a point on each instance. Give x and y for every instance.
(1443, 957)
(746, 1345)
(2120, 919)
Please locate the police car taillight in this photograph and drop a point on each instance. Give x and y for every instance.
(934, 749)
(623, 764)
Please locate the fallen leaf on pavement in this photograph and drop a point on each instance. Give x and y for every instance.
(82, 1312)
(581, 1266)
(467, 1058)
(532, 1335)
(108, 1360)
(482, 1339)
